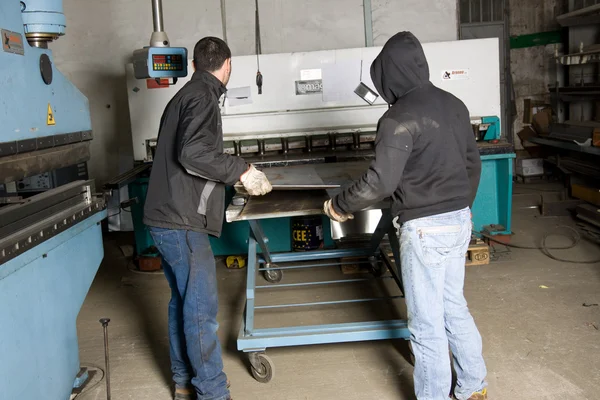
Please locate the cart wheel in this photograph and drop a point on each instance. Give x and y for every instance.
(376, 267)
(266, 369)
(273, 275)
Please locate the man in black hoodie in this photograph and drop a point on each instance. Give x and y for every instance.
(427, 161)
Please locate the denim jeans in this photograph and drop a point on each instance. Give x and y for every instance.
(433, 269)
(189, 266)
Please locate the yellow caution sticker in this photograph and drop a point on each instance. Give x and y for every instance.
(50, 118)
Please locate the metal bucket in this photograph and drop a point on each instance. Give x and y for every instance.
(307, 233)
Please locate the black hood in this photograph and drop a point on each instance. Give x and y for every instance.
(400, 67)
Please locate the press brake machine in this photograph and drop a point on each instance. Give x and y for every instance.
(51, 243)
(309, 113)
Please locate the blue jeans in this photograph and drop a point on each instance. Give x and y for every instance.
(189, 266)
(432, 252)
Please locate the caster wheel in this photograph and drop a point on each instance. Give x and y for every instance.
(266, 369)
(377, 268)
(273, 275)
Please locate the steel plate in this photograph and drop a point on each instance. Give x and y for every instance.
(313, 176)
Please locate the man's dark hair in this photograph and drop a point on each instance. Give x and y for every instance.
(210, 53)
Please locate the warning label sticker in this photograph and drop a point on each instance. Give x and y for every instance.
(455, 74)
(12, 42)
(50, 118)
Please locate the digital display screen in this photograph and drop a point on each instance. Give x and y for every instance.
(167, 62)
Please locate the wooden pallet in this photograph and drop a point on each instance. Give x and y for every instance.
(478, 253)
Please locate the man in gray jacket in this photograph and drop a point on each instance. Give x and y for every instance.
(185, 203)
(427, 161)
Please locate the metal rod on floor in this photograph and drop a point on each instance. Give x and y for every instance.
(104, 322)
(317, 255)
(288, 285)
(325, 303)
(316, 265)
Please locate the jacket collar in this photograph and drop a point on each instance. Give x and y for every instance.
(215, 85)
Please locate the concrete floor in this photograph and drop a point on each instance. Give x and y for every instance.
(540, 342)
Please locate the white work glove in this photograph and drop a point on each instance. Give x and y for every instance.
(255, 182)
(332, 214)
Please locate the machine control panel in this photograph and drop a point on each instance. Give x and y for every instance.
(167, 62)
(160, 62)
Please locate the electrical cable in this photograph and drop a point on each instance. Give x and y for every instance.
(117, 213)
(259, 77)
(89, 389)
(545, 249)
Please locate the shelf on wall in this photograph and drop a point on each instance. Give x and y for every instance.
(580, 58)
(576, 93)
(565, 145)
(585, 16)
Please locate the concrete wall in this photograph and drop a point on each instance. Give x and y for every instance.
(533, 68)
(102, 34)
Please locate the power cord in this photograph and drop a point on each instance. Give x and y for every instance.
(545, 249)
(89, 389)
(117, 213)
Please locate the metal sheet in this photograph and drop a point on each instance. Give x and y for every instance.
(282, 204)
(313, 176)
(298, 177)
(291, 203)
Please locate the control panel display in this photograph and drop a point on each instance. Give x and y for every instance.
(167, 62)
(160, 63)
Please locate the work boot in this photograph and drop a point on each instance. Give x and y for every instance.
(190, 393)
(482, 395)
(184, 394)
(479, 395)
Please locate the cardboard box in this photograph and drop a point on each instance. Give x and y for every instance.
(530, 167)
(525, 134)
(542, 120)
(532, 107)
(596, 137)
(586, 193)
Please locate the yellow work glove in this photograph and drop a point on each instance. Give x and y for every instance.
(255, 182)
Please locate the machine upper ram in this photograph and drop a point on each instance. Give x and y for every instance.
(309, 109)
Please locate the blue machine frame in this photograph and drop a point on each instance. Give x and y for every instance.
(42, 292)
(492, 209)
(256, 340)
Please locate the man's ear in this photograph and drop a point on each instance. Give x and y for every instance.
(194, 65)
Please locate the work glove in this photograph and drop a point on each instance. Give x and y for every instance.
(255, 182)
(332, 214)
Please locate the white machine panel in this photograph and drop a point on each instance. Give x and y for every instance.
(469, 69)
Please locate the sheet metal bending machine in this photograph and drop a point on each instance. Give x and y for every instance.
(310, 123)
(51, 243)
